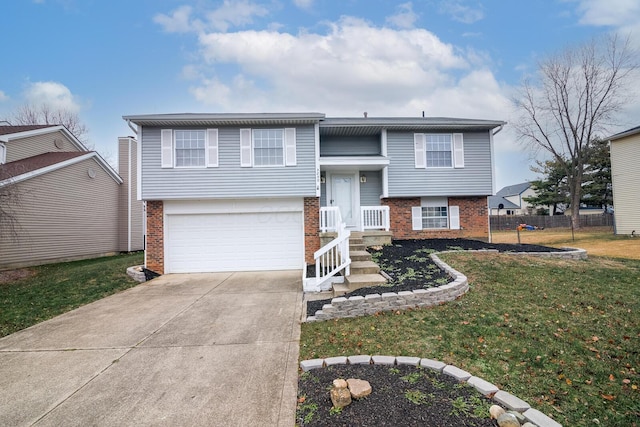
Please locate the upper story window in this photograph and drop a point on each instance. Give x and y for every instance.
(268, 147)
(438, 150)
(190, 148)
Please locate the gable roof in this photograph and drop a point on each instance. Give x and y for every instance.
(23, 169)
(7, 130)
(514, 190)
(496, 201)
(224, 119)
(627, 132)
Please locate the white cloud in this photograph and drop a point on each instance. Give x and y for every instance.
(353, 67)
(615, 13)
(231, 13)
(460, 12)
(53, 94)
(303, 4)
(3, 96)
(405, 17)
(179, 21)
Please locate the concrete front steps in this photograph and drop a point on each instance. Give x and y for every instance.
(364, 272)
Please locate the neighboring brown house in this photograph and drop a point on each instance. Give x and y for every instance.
(67, 202)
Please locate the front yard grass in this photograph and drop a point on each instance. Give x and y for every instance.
(562, 335)
(57, 288)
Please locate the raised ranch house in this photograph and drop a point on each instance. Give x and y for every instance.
(625, 180)
(65, 201)
(232, 192)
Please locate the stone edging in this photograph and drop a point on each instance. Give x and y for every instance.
(486, 388)
(136, 272)
(389, 301)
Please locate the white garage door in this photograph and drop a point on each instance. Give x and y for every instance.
(234, 242)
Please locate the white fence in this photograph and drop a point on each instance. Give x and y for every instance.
(374, 218)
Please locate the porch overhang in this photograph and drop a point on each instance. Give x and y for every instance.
(362, 163)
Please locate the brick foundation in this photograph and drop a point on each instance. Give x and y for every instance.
(311, 228)
(155, 236)
(474, 219)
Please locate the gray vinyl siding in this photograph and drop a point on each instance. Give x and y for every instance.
(371, 190)
(335, 146)
(63, 215)
(475, 179)
(127, 198)
(32, 146)
(625, 177)
(229, 180)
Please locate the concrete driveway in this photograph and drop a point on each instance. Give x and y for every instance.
(216, 349)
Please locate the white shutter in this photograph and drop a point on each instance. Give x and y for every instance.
(290, 146)
(212, 148)
(419, 150)
(458, 151)
(166, 142)
(454, 217)
(245, 148)
(416, 218)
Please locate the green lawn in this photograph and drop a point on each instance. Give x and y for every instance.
(57, 288)
(562, 335)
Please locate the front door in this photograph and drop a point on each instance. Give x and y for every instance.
(343, 196)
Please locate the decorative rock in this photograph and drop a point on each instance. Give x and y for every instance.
(340, 395)
(508, 420)
(495, 411)
(359, 388)
(521, 419)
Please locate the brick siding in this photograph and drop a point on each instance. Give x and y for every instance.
(474, 219)
(155, 236)
(311, 228)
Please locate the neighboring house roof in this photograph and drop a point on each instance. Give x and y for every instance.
(514, 190)
(495, 201)
(5, 130)
(625, 133)
(510, 190)
(23, 169)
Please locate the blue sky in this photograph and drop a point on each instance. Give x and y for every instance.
(456, 58)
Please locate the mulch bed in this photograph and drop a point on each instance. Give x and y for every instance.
(401, 395)
(408, 264)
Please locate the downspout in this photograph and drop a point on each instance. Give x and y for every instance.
(136, 130)
(493, 178)
(499, 129)
(129, 196)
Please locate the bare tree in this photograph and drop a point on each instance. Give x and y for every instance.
(10, 202)
(44, 114)
(576, 95)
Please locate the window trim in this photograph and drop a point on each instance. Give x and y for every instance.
(253, 148)
(175, 149)
(453, 214)
(421, 152)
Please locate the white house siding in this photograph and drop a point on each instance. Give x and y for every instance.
(32, 146)
(625, 176)
(63, 215)
(229, 180)
(405, 180)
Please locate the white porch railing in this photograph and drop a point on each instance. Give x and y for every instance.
(333, 257)
(374, 218)
(330, 218)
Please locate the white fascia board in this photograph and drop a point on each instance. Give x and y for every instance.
(56, 166)
(354, 161)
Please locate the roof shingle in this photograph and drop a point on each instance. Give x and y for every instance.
(30, 164)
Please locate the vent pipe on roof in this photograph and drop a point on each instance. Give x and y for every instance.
(423, 114)
(365, 114)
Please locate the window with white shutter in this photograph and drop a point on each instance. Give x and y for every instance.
(166, 143)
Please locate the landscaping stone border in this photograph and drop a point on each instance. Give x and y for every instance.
(355, 306)
(136, 272)
(484, 387)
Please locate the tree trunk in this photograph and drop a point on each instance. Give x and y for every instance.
(575, 204)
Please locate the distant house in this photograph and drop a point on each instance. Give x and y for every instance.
(229, 192)
(510, 200)
(625, 177)
(66, 202)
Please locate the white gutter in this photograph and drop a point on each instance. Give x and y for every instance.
(498, 131)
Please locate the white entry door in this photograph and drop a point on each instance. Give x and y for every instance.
(343, 195)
